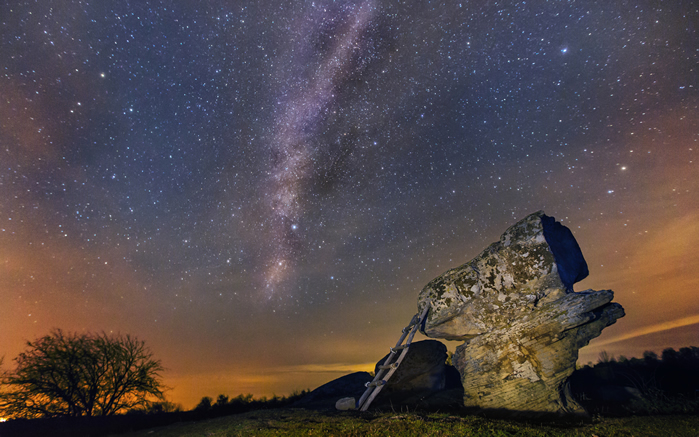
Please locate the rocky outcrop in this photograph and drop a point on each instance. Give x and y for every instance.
(522, 323)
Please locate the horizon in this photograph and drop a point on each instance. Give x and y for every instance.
(259, 192)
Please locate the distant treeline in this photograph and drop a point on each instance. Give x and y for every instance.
(224, 406)
(156, 414)
(665, 384)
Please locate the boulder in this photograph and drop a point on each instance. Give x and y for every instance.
(423, 368)
(522, 323)
(327, 395)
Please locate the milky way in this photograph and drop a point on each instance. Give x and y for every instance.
(342, 30)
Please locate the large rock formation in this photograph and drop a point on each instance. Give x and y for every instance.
(522, 323)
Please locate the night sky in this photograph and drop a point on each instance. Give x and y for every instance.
(260, 189)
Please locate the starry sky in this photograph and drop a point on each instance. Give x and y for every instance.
(260, 189)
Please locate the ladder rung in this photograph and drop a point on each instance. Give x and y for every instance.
(400, 348)
(378, 383)
(388, 366)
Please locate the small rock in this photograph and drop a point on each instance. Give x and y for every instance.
(346, 404)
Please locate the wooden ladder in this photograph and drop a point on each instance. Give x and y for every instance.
(389, 367)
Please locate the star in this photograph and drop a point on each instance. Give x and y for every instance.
(327, 159)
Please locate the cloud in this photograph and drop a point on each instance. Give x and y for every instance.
(658, 327)
(325, 368)
(670, 251)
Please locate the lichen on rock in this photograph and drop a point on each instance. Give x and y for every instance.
(523, 324)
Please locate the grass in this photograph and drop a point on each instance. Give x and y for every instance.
(298, 422)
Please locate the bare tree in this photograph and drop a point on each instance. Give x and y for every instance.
(80, 375)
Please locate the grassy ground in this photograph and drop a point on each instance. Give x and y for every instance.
(297, 422)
